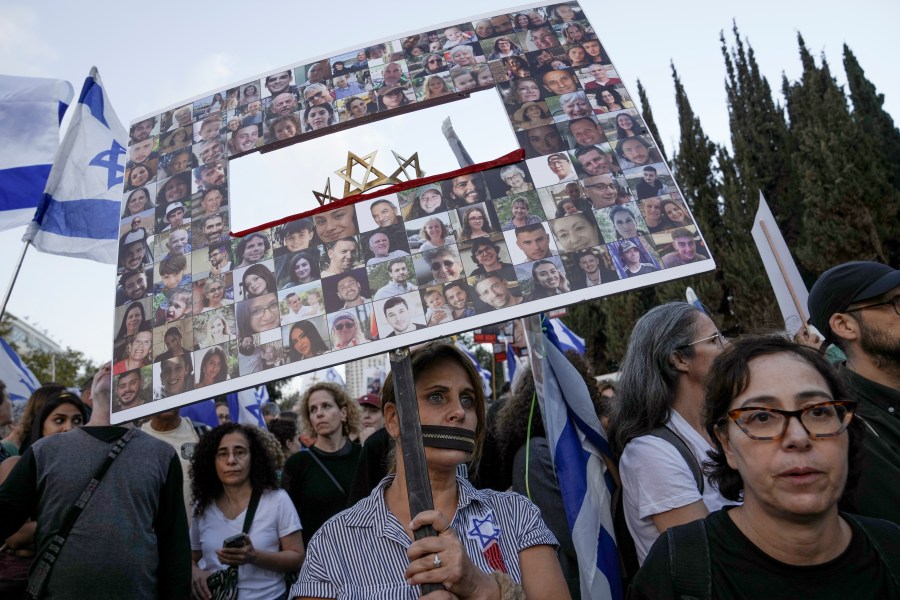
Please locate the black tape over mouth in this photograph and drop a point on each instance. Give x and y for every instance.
(449, 438)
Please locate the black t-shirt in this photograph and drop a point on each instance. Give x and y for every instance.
(741, 570)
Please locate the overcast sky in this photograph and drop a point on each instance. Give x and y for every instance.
(160, 53)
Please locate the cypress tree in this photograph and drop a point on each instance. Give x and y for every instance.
(760, 140)
(648, 119)
(876, 124)
(836, 170)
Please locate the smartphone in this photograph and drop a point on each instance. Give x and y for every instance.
(235, 541)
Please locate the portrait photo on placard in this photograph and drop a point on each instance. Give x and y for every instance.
(133, 317)
(138, 200)
(383, 211)
(334, 224)
(435, 231)
(215, 326)
(589, 267)
(634, 256)
(519, 209)
(177, 161)
(509, 179)
(174, 339)
(306, 339)
(583, 131)
(133, 286)
(215, 364)
(173, 376)
(437, 310)
(486, 255)
(530, 243)
(622, 124)
(680, 246)
(132, 388)
(392, 277)
(172, 305)
(301, 302)
(495, 291)
(575, 232)
(543, 279)
(620, 222)
(400, 314)
(650, 180)
(440, 265)
(475, 221)
(554, 168)
(258, 314)
(211, 229)
(254, 281)
(135, 223)
(384, 244)
(340, 256)
(298, 268)
(213, 292)
(251, 249)
(174, 270)
(541, 141)
(209, 127)
(352, 327)
(143, 130)
(423, 201)
(215, 259)
(346, 290)
(293, 236)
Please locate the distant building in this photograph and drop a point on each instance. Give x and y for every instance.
(360, 374)
(27, 338)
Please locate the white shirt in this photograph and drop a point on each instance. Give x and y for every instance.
(656, 479)
(275, 518)
(184, 439)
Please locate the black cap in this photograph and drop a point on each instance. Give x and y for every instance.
(843, 285)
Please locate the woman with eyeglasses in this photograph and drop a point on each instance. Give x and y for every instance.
(475, 224)
(433, 63)
(235, 474)
(257, 314)
(657, 423)
(786, 443)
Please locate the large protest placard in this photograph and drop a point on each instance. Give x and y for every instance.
(591, 210)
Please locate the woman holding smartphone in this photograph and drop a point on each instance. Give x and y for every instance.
(233, 476)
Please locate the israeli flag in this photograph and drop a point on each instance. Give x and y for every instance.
(333, 376)
(31, 109)
(568, 339)
(579, 446)
(79, 213)
(20, 381)
(484, 373)
(247, 405)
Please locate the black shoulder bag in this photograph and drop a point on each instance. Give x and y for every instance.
(37, 583)
(224, 583)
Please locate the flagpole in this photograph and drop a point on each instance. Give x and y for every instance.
(787, 280)
(15, 275)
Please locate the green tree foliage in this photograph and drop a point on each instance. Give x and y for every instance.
(836, 169)
(877, 125)
(71, 366)
(648, 118)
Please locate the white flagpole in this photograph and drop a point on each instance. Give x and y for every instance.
(12, 281)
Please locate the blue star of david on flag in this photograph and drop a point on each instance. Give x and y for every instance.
(483, 530)
(79, 212)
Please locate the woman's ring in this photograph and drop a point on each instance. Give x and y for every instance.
(437, 561)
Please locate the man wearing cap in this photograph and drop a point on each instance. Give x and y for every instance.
(175, 216)
(372, 419)
(685, 246)
(631, 260)
(856, 306)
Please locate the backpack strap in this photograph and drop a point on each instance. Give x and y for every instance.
(664, 433)
(689, 565)
(885, 538)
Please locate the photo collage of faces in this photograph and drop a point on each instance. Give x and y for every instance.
(592, 202)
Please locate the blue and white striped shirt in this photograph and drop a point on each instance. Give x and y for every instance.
(360, 553)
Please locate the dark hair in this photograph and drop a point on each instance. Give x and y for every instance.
(317, 345)
(620, 146)
(62, 397)
(313, 261)
(297, 226)
(636, 126)
(242, 245)
(223, 372)
(479, 242)
(224, 247)
(327, 106)
(33, 407)
(263, 273)
(172, 265)
(617, 97)
(729, 377)
(242, 314)
(467, 230)
(430, 355)
(537, 290)
(205, 483)
(650, 169)
(392, 302)
(284, 431)
(530, 228)
(127, 212)
(144, 326)
(647, 378)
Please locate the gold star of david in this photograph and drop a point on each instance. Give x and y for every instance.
(366, 161)
(323, 197)
(412, 161)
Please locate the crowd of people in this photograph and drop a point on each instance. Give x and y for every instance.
(762, 466)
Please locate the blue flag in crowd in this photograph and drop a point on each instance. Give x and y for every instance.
(566, 339)
(20, 381)
(31, 109)
(201, 412)
(578, 446)
(484, 373)
(78, 214)
(246, 405)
